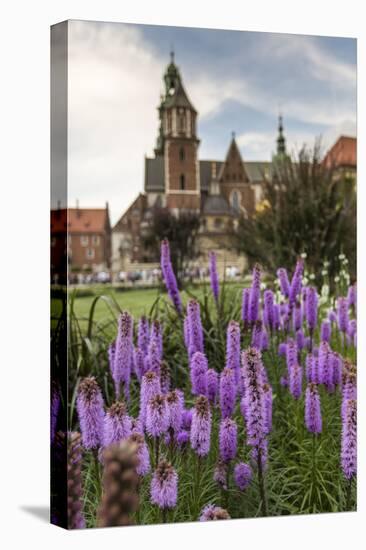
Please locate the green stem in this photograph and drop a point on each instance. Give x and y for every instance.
(261, 483)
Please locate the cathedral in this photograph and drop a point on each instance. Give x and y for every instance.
(177, 179)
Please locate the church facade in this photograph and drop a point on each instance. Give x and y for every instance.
(176, 178)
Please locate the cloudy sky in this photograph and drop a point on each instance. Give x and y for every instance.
(237, 81)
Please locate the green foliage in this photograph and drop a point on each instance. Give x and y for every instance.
(303, 474)
(306, 207)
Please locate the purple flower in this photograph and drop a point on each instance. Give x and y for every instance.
(257, 335)
(296, 282)
(150, 386)
(157, 416)
(143, 457)
(253, 405)
(242, 475)
(175, 401)
(164, 486)
(297, 318)
(195, 331)
(312, 368)
(212, 385)
(164, 377)
(326, 366)
(123, 354)
(227, 392)
(267, 402)
(352, 296)
(90, 410)
(139, 362)
(220, 474)
(75, 516)
(349, 388)
(183, 438)
(255, 292)
(342, 314)
(213, 513)
(337, 366)
(55, 407)
(332, 316)
(352, 330)
(201, 426)
(325, 331)
(284, 281)
(295, 381)
(228, 438)
(291, 355)
(198, 371)
(214, 279)
(349, 440)
(117, 424)
(153, 358)
(143, 334)
(187, 418)
(268, 309)
(311, 308)
(282, 349)
(233, 348)
(245, 306)
(169, 276)
(156, 337)
(300, 339)
(313, 415)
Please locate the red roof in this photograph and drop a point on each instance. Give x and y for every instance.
(343, 153)
(79, 220)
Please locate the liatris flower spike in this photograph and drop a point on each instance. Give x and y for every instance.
(242, 475)
(213, 513)
(89, 404)
(120, 485)
(201, 426)
(117, 424)
(75, 517)
(194, 328)
(123, 359)
(228, 439)
(164, 486)
(349, 440)
(198, 370)
(169, 276)
(313, 417)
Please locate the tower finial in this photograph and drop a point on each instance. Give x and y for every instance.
(281, 141)
(172, 54)
(233, 134)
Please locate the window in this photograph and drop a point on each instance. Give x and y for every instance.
(181, 121)
(181, 154)
(169, 122)
(182, 182)
(84, 240)
(95, 240)
(235, 203)
(217, 223)
(90, 253)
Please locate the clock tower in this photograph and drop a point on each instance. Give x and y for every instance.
(178, 144)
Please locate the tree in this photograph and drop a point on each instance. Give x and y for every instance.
(306, 207)
(181, 230)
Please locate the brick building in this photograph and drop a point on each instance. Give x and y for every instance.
(220, 190)
(84, 236)
(175, 177)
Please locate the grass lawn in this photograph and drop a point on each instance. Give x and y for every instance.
(135, 301)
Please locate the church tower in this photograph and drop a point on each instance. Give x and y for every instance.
(178, 144)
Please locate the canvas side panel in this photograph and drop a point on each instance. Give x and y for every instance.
(58, 272)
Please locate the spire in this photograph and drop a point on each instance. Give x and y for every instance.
(172, 55)
(281, 141)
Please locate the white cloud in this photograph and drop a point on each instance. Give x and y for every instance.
(114, 84)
